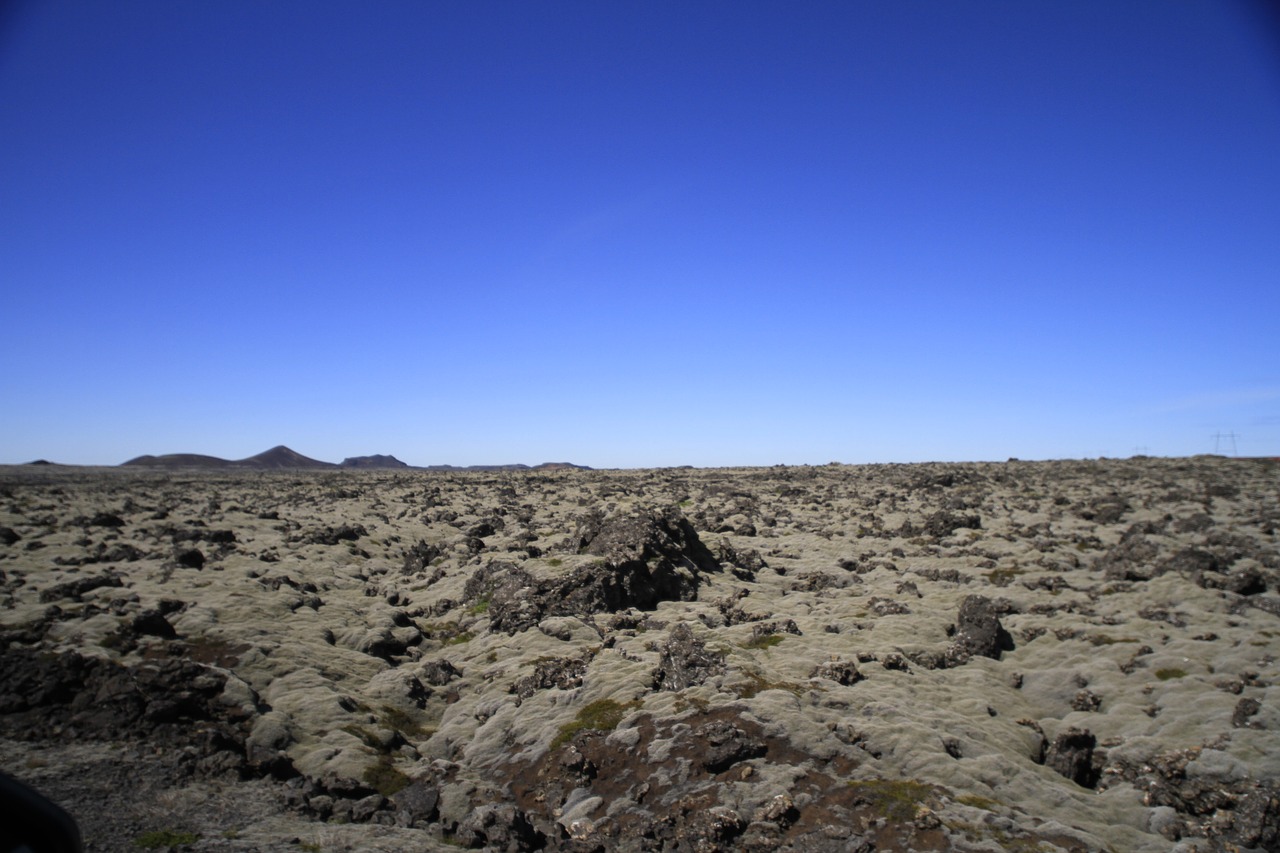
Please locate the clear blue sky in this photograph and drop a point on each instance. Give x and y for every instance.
(639, 233)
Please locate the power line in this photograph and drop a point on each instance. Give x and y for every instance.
(1220, 437)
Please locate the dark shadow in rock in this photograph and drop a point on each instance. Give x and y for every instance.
(1071, 755)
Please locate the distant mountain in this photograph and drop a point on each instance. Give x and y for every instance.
(276, 458)
(282, 458)
(180, 460)
(375, 461)
(545, 466)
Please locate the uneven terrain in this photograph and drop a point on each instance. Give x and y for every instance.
(1045, 656)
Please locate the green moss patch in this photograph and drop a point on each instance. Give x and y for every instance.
(897, 800)
(162, 839)
(603, 716)
(385, 779)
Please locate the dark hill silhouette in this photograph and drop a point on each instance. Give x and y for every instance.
(377, 460)
(276, 458)
(180, 460)
(282, 458)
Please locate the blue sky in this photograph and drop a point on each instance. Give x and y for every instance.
(639, 233)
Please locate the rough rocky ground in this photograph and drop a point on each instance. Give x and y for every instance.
(976, 657)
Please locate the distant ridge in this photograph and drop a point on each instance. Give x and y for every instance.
(282, 458)
(375, 461)
(277, 458)
(545, 466)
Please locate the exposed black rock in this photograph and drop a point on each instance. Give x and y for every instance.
(420, 557)
(1071, 755)
(499, 826)
(944, 523)
(439, 672)
(842, 672)
(1244, 712)
(1105, 510)
(153, 623)
(1132, 559)
(647, 558)
(8, 536)
(726, 745)
(191, 558)
(417, 804)
(685, 661)
(330, 535)
(78, 587)
(978, 632)
(561, 673)
(1212, 800)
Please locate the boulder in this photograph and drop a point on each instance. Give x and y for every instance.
(978, 632)
(645, 558)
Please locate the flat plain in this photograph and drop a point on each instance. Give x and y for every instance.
(1072, 655)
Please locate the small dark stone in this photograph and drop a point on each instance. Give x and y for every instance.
(191, 558)
(153, 623)
(1245, 709)
(1086, 700)
(365, 808)
(439, 672)
(8, 536)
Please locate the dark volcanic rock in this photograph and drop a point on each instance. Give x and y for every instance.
(1213, 798)
(978, 632)
(647, 558)
(152, 622)
(499, 827)
(1132, 559)
(76, 588)
(685, 661)
(1071, 755)
(1245, 709)
(416, 804)
(945, 523)
(420, 557)
(192, 558)
(8, 536)
(334, 535)
(561, 673)
(68, 696)
(666, 538)
(439, 672)
(842, 672)
(726, 745)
